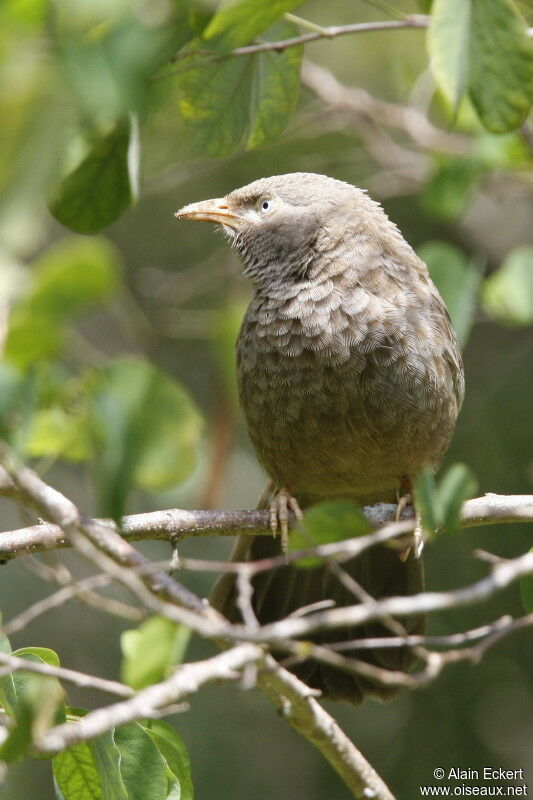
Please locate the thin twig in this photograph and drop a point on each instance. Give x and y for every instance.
(409, 120)
(79, 590)
(412, 21)
(186, 680)
(80, 679)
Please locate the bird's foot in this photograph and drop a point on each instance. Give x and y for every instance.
(280, 505)
(403, 501)
(418, 542)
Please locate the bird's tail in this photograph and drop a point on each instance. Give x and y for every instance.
(280, 592)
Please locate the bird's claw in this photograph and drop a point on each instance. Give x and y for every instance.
(280, 506)
(403, 500)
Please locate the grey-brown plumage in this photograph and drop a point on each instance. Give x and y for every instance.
(350, 379)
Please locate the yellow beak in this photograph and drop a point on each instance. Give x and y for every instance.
(209, 211)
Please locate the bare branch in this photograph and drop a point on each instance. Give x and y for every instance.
(447, 640)
(412, 21)
(186, 680)
(174, 523)
(103, 545)
(409, 120)
(98, 542)
(80, 679)
(76, 589)
(298, 706)
(502, 575)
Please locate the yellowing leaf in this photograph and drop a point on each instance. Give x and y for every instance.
(239, 101)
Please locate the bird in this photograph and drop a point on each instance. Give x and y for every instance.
(350, 380)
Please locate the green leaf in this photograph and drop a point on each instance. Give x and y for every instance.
(68, 279)
(508, 293)
(108, 53)
(174, 751)
(526, 592)
(55, 432)
(7, 689)
(450, 188)
(124, 764)
(151, 649)
(107, 758)
(448, 46)
(277, 83)
(501, 65)
(31, 340)
(142, 767)
(98, 190)
(481, 46)
(427, 501)
(456, 485)
(457, 280)
(215, 102)
(76, 774)
(34, 711)
(73, 275)
(42, 654)
(240, 22)
(146, 428)
(439, 503)
(240, 101)
(35, 703)
(327, 522)
(13, 684)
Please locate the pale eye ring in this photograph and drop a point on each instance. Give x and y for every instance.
(266, 205)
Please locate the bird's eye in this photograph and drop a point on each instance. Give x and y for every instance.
(266, 205)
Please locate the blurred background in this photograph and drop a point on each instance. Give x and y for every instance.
(170, 295)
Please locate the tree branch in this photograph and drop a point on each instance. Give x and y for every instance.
(80, 679)
(412, 21)
(186, 680)
(409, 120)
(502, 575)
(175, 523)
(298, 706)
(102, 544)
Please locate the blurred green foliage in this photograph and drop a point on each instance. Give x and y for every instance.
(482, 48)
(131, 763)
(115, 111)
(151, 650)
(324, 523)
(439, 503)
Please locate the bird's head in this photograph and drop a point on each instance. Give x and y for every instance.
(282, 224)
